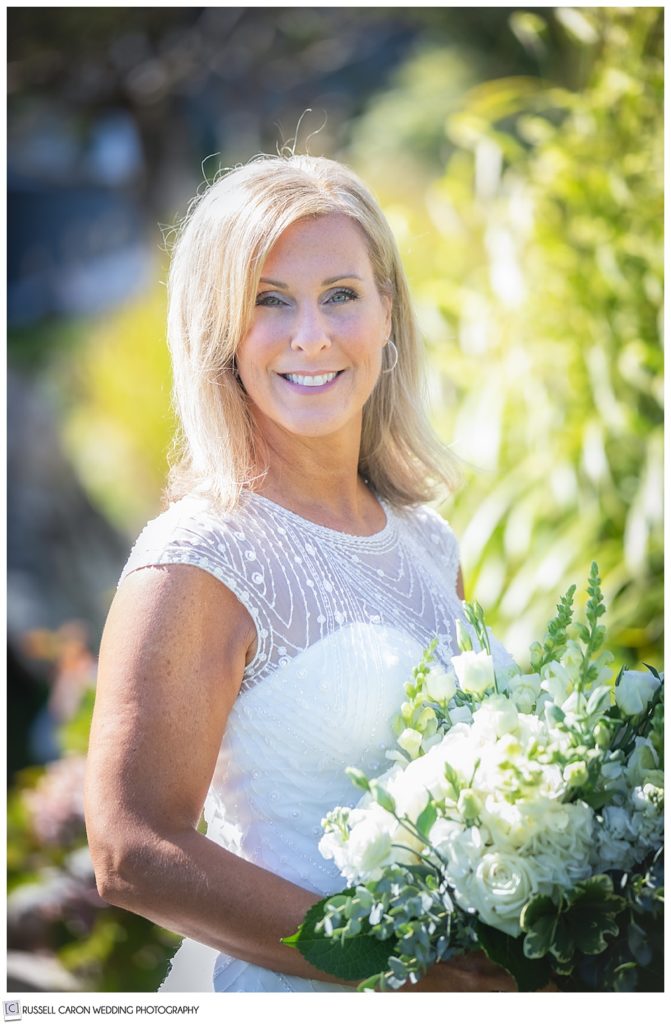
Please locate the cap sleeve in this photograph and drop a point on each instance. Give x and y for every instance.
(188, 533)
(439, 545)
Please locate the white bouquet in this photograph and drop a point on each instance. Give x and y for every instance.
(522, 815)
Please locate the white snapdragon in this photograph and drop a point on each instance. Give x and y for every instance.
(557, 681)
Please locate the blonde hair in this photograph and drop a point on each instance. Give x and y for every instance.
(216, 264)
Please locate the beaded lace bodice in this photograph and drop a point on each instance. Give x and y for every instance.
(341, 621)
(302, 582)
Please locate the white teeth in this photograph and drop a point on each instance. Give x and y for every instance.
(310, 382)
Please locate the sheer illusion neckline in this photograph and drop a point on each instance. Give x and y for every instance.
(327, 532)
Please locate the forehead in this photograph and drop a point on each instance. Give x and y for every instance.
(314, 243)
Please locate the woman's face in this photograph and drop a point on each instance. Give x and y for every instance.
(313, 353)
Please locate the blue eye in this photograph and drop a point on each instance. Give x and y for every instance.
(266, 299)
(342, 295)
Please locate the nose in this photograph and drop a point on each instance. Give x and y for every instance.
(309, 332)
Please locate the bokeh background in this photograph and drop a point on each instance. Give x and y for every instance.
(518, 155)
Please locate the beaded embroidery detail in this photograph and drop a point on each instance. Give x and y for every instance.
(301, 582)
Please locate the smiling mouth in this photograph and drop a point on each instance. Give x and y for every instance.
(312, 380)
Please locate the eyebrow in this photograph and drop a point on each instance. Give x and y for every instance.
(327, 281)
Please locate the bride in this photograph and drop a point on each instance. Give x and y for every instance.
(266, 622)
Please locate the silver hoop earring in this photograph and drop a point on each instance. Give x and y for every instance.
(393, 366)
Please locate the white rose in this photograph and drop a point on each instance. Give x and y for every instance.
(498, 889)
(441, 686)
(634, 692)
(475, 672)
(525, 691)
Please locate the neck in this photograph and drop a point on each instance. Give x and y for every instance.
(318, 478)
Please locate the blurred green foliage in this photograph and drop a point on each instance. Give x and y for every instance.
(118, 422)
(536, 263)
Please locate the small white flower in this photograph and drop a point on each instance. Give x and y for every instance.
(496, 716)
(575, 774)
(367, 848)
(648, 798)
(441, 686)
(475, 672)
(557, 681)
(411, 741)
(525, 690)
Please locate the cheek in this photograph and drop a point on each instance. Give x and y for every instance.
(250, 356)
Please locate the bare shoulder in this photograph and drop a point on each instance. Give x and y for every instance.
(171, 663)
(178, 608)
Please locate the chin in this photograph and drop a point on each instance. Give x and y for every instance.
(308, 430)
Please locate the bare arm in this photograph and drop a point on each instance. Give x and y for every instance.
(171, 662)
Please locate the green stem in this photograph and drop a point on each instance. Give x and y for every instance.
(401, 846)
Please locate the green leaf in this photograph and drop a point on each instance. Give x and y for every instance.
(562, 947)
(508, 952)
(596, 894)
(639, 944)
(358, 778)
(353, 960)
(589, 919)
(539, 921)
(591, 938)
(427, 818)
(382, 797)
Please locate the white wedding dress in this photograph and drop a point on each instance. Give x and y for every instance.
(341, 620)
